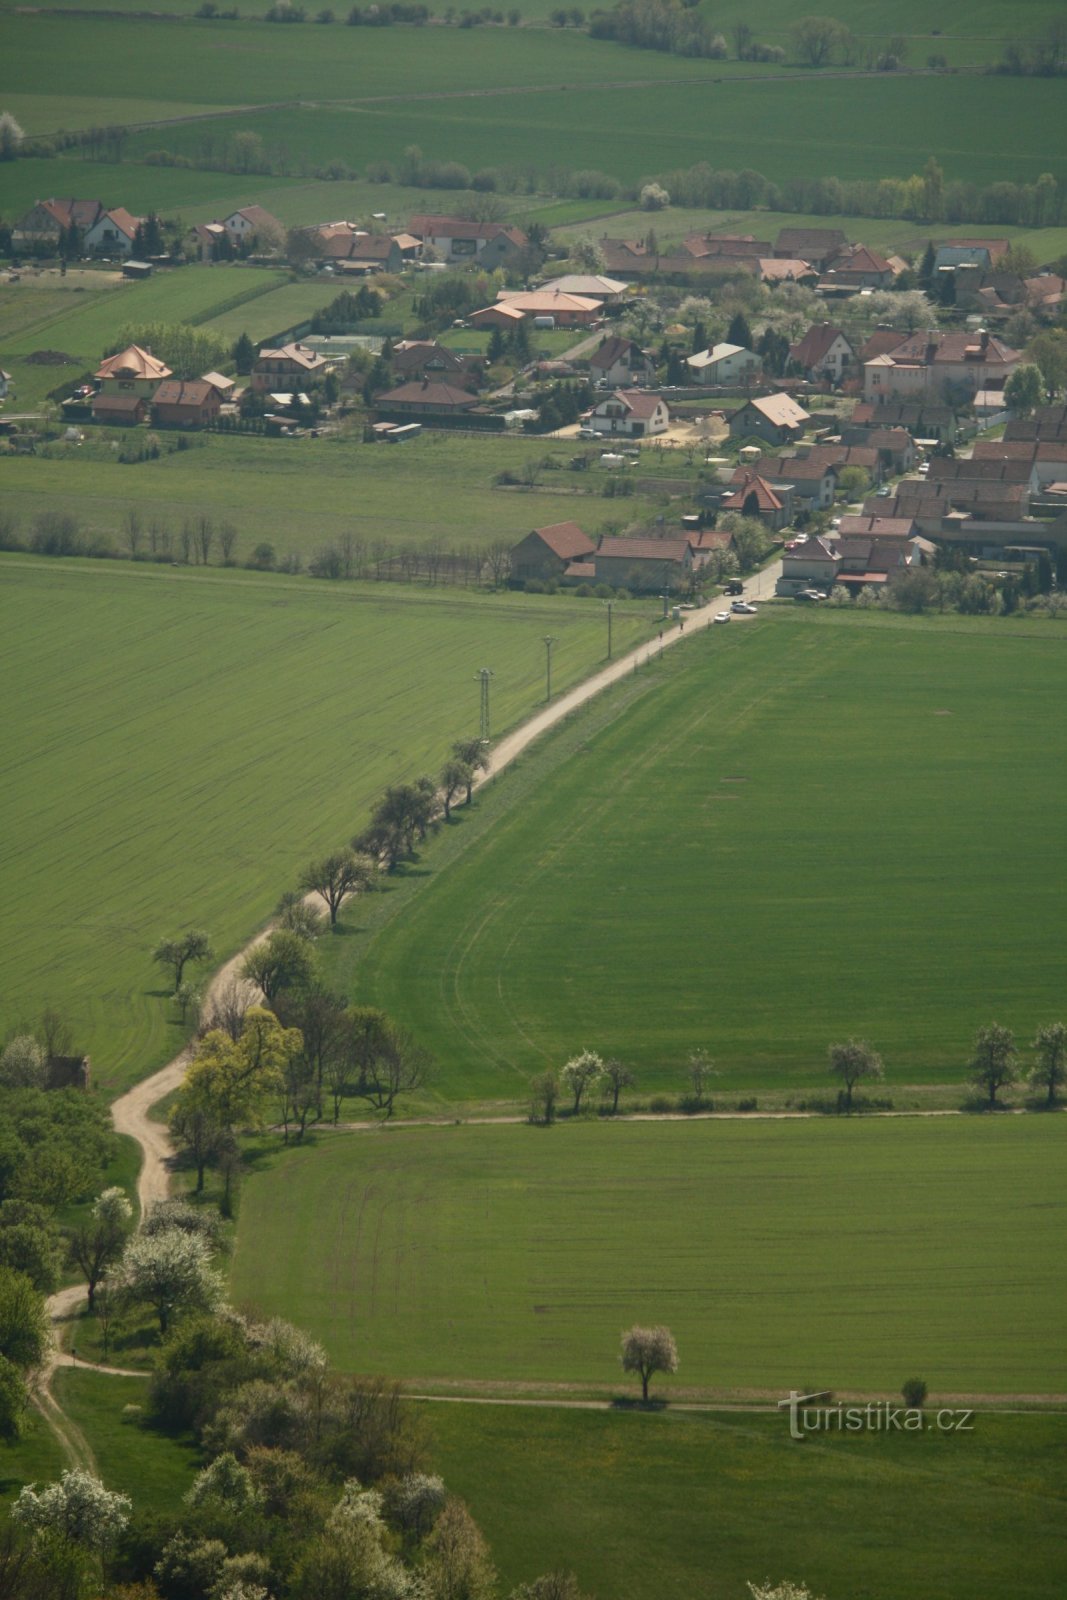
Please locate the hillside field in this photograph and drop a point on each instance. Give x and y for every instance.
(816, 826)
(179, 744)
(668, 1507)
(811, 1254)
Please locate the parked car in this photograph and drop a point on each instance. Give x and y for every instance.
(809, 594)
(587, 433)
(733, 587)
(743, 608)
(884, 492)
(722, 616)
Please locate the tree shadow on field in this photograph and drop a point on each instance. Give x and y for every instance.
(620, 1402)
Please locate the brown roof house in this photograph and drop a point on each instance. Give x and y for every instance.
(459, 241)
(548, 552)
(424, 401)
(127, 383)
(47, 219)
(631, 413)
(192, 404)
(823, 353)
(753, 496)
(112, 234)
(857, 267)
(810, 562)
(622, 364)
(817, 245)
(253, 223)
(926, 362)
(811, 474)
(286, 370)
(567, 310)
(776, 418)
(643, 565)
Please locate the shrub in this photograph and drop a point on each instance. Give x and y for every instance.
(660, 1104)
(751, 1104)
(534, 586)
(914, 1391)
(584, 591)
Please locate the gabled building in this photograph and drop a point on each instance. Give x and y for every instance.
(857, 267)
(548, 552)
(775, 418)
(460, 242)
(811, 475)
(424, 401)
(752, 495)
(823, 353)
(425, 358)
(925, 363)
(643, 565)
(47, 220)
(725, 364)
(132, 371)
(112, 234)
(622, 364)
(566, 310)
(252, 222)
(808, 562)
(286, 370)
(190, 404)
(631, 413)
(594, 285)
(817, 245)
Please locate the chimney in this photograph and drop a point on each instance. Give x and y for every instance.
(984, 339)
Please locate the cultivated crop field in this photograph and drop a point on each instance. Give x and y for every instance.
(837, 1254)
(179, 744)
(815, 827)
(667, 1507)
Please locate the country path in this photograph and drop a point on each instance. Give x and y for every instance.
(131, 1112)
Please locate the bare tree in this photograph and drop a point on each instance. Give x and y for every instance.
(336, 876)
(619, 1078)
(544, 1092)
(205, 538)
(54, 1033)
(455, 775)
(134, 531)
(390, 1060)
(227, 541)
(814, 39)
(227, 1009)
(177, 953)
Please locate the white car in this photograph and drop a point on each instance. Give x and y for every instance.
(743, 608)
(722, 616)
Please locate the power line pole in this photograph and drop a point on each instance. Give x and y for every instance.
(483, 675)
(609, 604)
(549, 642)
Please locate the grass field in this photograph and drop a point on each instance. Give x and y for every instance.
(301, 494)
(153, 1468)
(804, 833)
(668, 1507)
(809, 1254)
(179, 744)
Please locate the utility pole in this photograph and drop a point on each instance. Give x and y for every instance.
(609, 604)
(549, 641)
(483, 675)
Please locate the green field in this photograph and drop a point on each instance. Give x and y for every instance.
(814, 827)
(179, 744)
(834, 126)
(807, 1254)
(300, 494)
(153, 1468)
(324, 93)
(668, 1507)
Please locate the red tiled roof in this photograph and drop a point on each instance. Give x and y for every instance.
(639, 402)
(644, 549)
(460, 228)
(749, 484)
(133, 362)
(813, 347)
(566, 540)
(442, 395)
(191, 393)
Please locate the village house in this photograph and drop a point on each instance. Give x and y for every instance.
(643, 566)
(459, 242)
(208, 241)
(739, 245)
(253, 224)
(1046, 458)
(286, 370)
(776, 418)
(928, 421)
(126, 385)
(548, 552)
(725, 364)
(632, 413)
(353, 250)
(854, 268)
(774, 270)
(926, 362)
(811, 474)
(621, 363)
(817, 245)
(224, 387)
(188, 404)
(593, 285)
(566, 310)
(871, 561)
(752, 495)
(823, 353)
(636, 260)
(985, 253)
(47, 220)
(424, 401)
(808, 562)
(112, 234)
(419, 358)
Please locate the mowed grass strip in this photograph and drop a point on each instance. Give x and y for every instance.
(178, 745)
(667, 1507)
(781, 1254)
(816, 827)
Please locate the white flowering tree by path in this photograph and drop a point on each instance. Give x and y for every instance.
(171, 1271)
(77, 1510)
(647, 1351)
(580, 1074)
